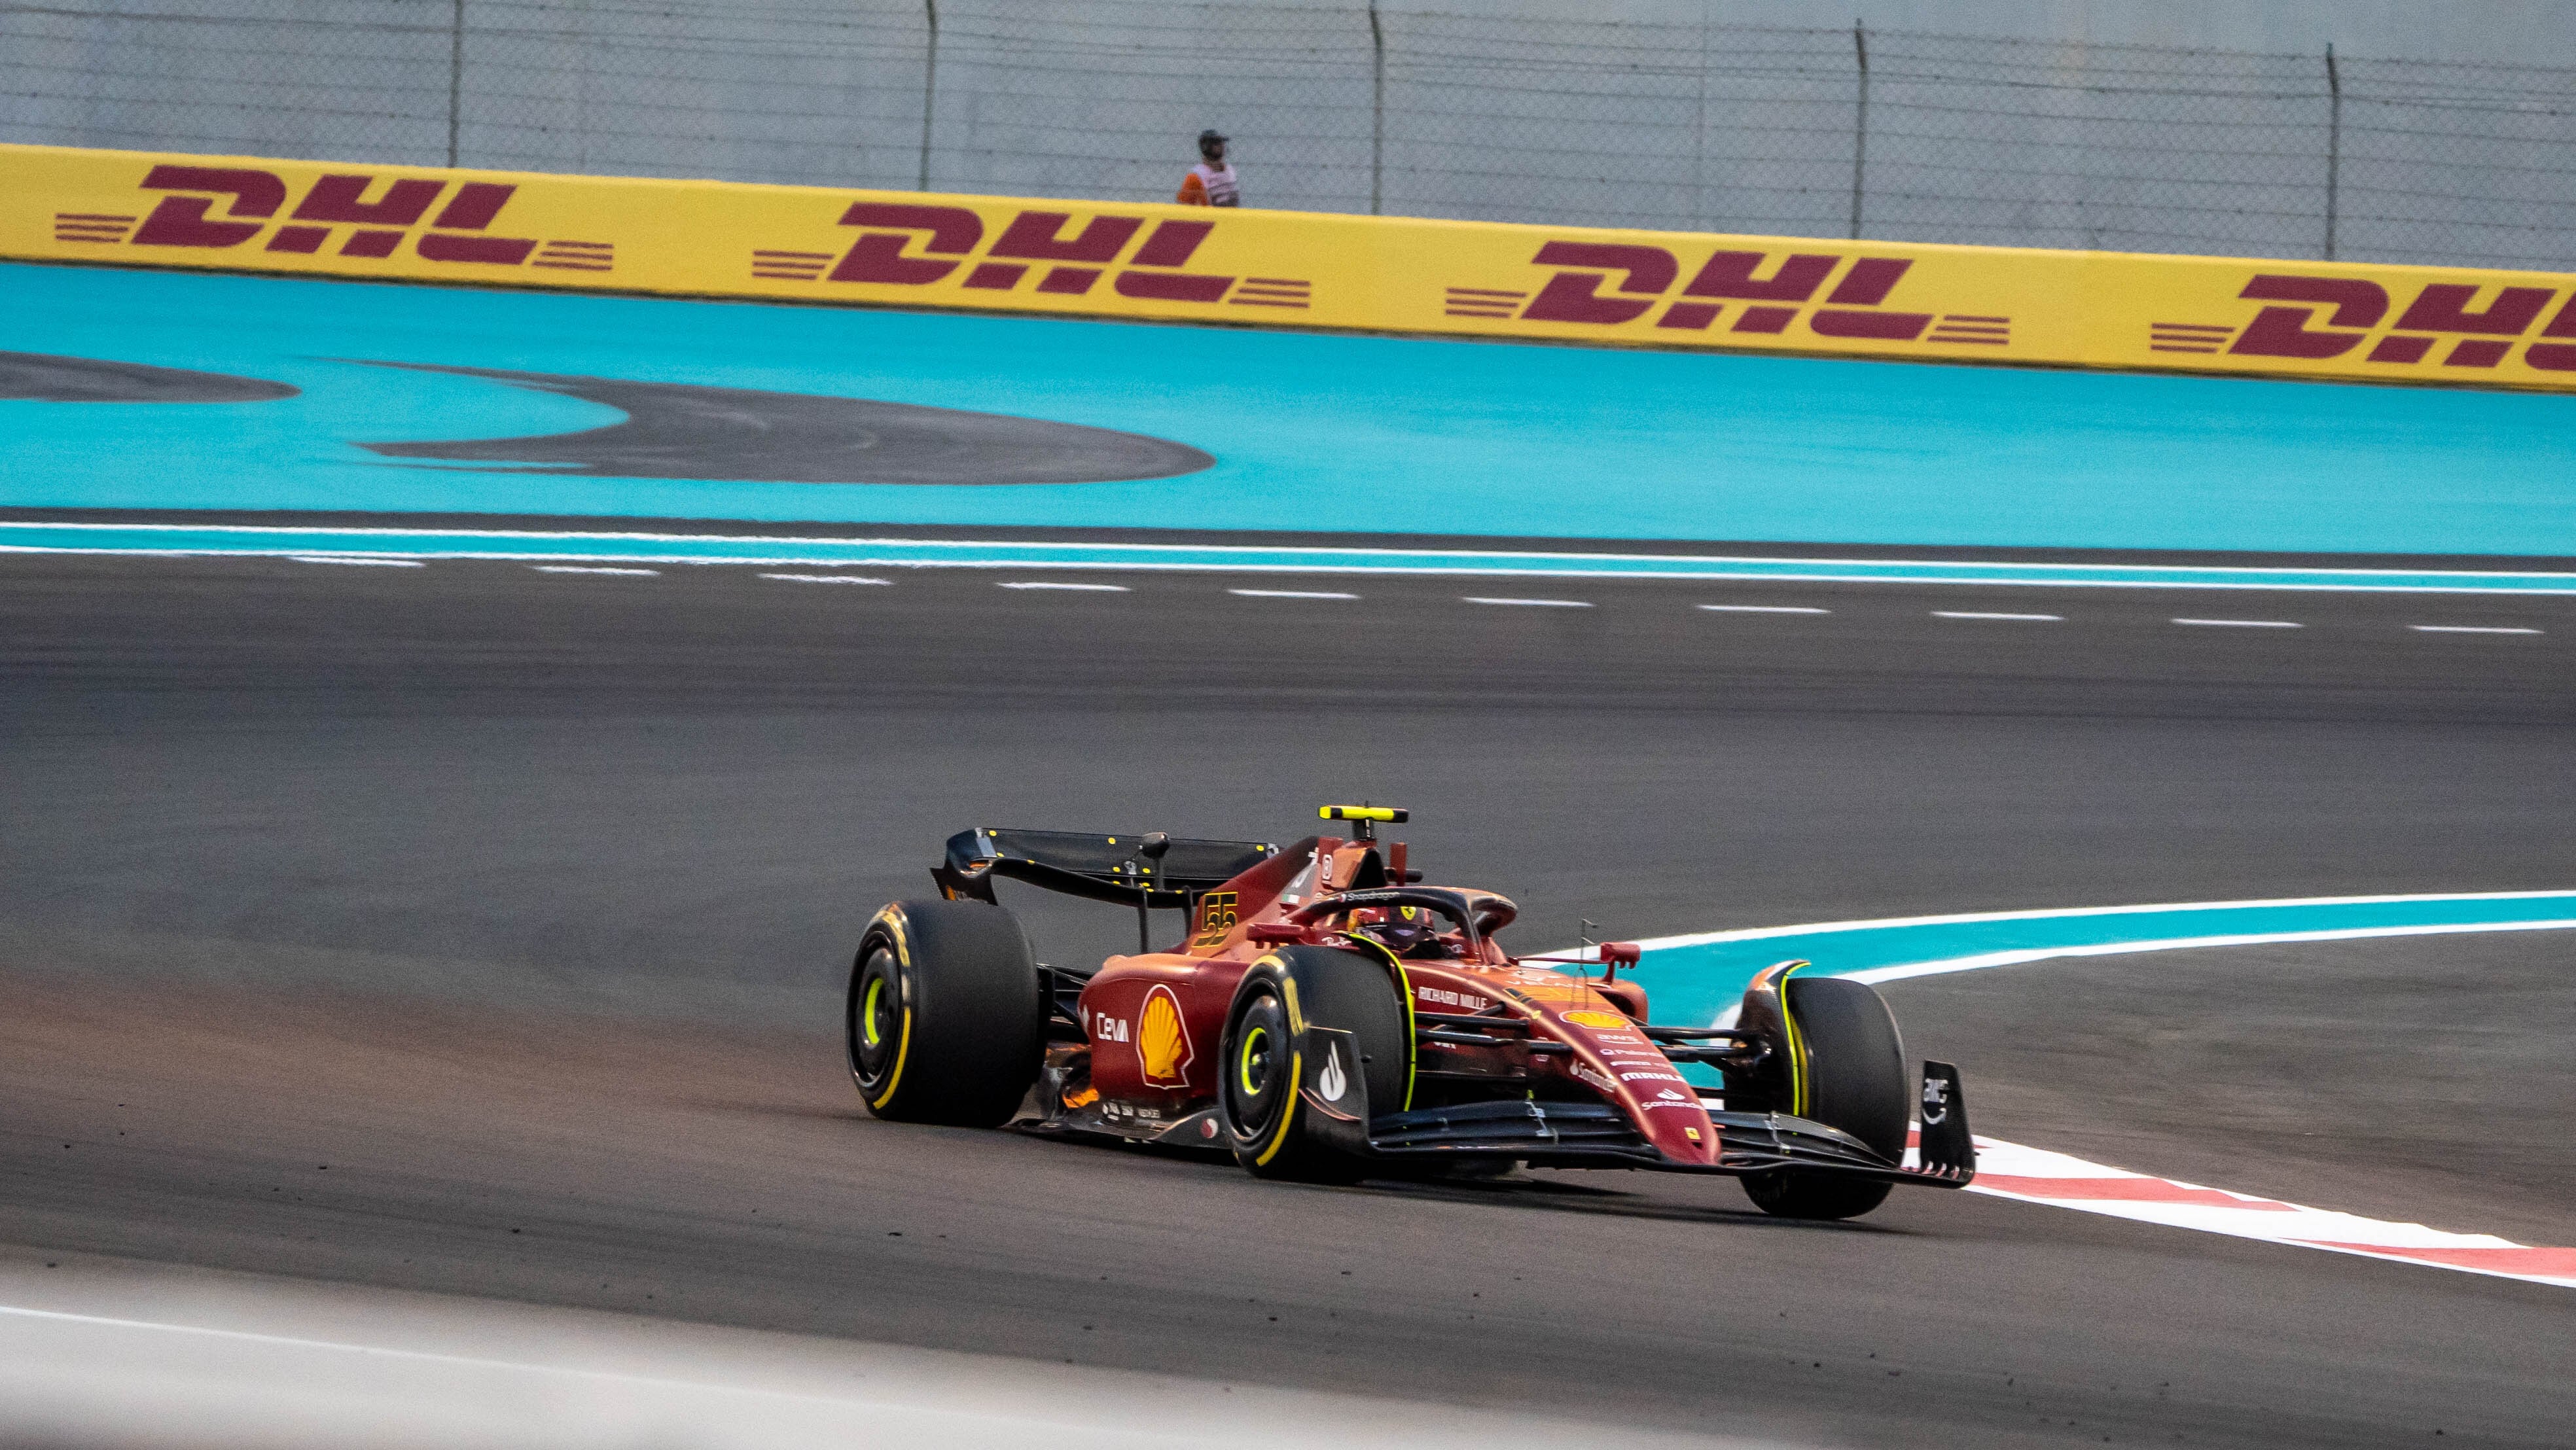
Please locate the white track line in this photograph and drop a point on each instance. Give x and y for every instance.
(1051, 584)
(2468, 629)
(2033, 1175)
(1290, 594)
(2023, 956)
(371, 563)
(1532, 603)
(1763, 609)
(2244, 623)
(1974, 614)
(827, 579)
(2049, 913)
(592, 569)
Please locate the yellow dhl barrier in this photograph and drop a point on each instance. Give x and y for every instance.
(1383, 274)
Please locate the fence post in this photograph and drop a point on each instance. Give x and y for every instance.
(455, 75)
(929, 89)
(2334, 144)
(1860, 126)
(1377, 110)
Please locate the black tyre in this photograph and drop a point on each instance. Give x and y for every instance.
(1273, 1134)
(944, 1020)
(1852, 1077)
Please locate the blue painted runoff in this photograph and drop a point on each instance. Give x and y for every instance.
(1311, 432)
(1695, 981)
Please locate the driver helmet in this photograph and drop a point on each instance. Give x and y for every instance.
(1403, 930)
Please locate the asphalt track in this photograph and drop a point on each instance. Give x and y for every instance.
(517, 900)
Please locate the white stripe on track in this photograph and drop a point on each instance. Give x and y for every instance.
(354, 559)
(1983, 614)
(2051, 913)
(1532, 603)
(2033, 1175)
(592, 569)
(2019, 955)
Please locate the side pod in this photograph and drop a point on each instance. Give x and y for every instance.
(1943, 1148)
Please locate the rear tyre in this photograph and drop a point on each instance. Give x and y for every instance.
(1272, 1132)
(1854, 1079)
(943, 1018)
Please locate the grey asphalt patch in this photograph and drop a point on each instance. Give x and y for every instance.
(43, 378)
(2422, 1079)
(681, 430)
(584, 864)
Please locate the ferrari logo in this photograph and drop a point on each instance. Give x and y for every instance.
(1163, 1040)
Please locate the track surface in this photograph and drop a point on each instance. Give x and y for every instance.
(516, 898)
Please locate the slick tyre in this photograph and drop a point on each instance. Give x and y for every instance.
(1274, 1132)
(1853, 1079)
(943, 1018)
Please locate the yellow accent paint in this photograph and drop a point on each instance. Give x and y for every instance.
(903, 1043)
(1243, 1062)
(1404, 989)
(1797, 1046)
(2023, 306)
(1288, 1112)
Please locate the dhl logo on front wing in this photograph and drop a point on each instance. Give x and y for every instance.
(903, 245)
(335, 207)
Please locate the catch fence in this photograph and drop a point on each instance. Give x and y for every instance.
(1882, 134)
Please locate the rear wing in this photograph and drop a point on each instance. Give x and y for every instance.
(1151, 869)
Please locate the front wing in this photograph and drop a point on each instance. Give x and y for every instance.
(1599, 1135)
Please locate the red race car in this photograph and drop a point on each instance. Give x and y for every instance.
(1329, 1018)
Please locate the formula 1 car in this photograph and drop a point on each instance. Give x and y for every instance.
(1328, 1018)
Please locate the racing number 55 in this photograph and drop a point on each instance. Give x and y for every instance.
(1216, 917)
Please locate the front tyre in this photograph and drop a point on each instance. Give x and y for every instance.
(1850, 1074)
(944, 1022)
(1274, 1133)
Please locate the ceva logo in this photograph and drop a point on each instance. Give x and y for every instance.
(904, 245)
(1768, 295)
(2315, 318)
(337, 207)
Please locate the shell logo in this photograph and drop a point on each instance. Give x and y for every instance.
(1163, 1040)
(1596, 1019)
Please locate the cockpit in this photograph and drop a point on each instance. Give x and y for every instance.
(1418, 924)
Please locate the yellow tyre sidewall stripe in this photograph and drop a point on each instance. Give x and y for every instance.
(1288, 1112)
(893, 923)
